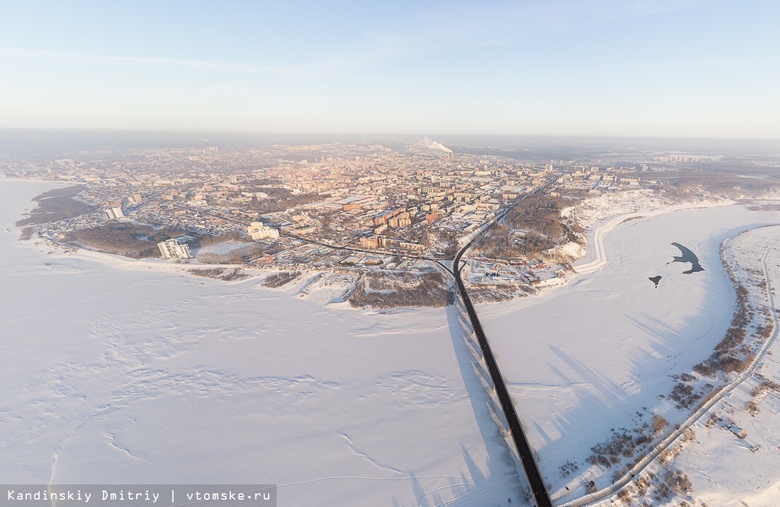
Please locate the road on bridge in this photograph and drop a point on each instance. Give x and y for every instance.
(538, 488)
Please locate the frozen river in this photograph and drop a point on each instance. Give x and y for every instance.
(119, 372)
(586, 359)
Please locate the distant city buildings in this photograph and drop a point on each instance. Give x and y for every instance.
(114, 213)
(176, 248)
(415, 201)
(372, 242)
(369, 242)
(258, 230)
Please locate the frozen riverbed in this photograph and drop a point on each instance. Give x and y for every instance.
(588, 358)
(114, 371)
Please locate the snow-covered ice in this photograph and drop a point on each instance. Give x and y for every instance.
(583, 359)
(121, 371)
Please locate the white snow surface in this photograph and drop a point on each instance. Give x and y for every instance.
(223, 248)
(582, 359)
(722, 468)
(117, 371)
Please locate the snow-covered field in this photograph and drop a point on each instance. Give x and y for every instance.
(223, 248)
(598, 354)
(120, 371)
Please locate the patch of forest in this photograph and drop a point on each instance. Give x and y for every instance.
(123, 238)
(55, 205)
(684, 183)
(223, 274)
(282, 199)
(395, 290)
(281, 279)
(534, 226)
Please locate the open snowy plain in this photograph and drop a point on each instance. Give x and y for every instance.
(123, 372)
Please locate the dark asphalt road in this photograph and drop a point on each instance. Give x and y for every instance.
(538, 488)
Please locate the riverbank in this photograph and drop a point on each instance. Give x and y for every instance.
(603, 353)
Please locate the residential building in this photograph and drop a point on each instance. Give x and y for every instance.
(175, 248)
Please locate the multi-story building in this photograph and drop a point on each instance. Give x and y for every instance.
(258, 230)
(176, 248)
(114, 213)
(369, 242)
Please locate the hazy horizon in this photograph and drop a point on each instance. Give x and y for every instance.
(45, 143)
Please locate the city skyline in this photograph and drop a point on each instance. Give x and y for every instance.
(606, 68)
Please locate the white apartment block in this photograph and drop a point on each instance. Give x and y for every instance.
(257, 230)
(175, 249)
(114, 213)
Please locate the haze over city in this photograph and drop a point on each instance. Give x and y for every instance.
(683, 68)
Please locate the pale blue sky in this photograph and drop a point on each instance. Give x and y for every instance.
(691, 68)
